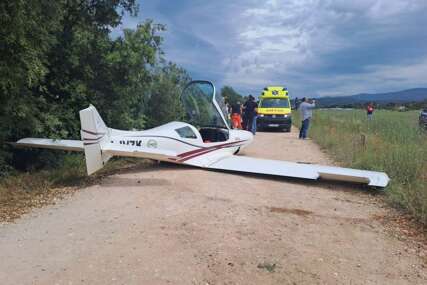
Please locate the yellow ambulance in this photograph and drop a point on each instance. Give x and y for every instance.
(274, 109)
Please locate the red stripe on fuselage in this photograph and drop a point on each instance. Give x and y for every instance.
(207, 150)
(188, 153)
(94, 139)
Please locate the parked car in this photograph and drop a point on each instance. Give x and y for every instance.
(423, 118)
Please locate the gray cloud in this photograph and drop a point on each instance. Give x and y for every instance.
(332, 47)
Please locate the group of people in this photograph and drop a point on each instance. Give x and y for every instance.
(244, 116)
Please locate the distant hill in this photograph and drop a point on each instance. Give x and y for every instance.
(400, 97)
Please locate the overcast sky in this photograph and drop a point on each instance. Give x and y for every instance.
(315, 48)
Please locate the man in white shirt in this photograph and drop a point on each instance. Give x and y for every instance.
(306, 110)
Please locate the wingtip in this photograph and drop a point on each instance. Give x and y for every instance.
(382, 180)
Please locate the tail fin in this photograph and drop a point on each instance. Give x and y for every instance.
(95, 135)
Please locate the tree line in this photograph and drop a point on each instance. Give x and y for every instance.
(57, 57)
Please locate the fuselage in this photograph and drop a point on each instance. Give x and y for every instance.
(178, 142)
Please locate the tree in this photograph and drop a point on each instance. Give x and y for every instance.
(27, 31)
(57, 57)
(230, 95)
(51, 54)
(79, 68)
(164, 104)
(131, 62)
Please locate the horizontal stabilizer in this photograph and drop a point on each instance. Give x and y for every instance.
(70, 145)
(300, 170)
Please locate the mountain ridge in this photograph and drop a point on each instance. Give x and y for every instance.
(403, 96)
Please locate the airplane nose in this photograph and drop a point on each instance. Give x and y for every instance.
(246, 136)
(249, 136)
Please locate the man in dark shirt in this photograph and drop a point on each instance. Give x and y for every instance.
(250, 108)
(236, 108)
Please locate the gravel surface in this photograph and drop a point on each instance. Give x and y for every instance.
(177, 225)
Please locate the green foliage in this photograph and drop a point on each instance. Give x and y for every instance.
(130, 77)
(391, 142)
(230, 95)
(164, 104)
(26, 31)
(57, 57)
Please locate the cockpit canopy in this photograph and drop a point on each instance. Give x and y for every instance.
(201, 107)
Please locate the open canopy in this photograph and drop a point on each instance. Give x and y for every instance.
(201, 105)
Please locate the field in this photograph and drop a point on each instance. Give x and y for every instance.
(391, 142)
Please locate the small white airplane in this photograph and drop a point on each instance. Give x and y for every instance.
(206, 141)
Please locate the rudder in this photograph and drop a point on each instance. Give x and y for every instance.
(95, 135)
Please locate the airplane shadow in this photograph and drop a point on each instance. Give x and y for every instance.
(326, 184)
(114, 181)
(272, 130)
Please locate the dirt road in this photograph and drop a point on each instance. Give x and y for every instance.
(173, 225)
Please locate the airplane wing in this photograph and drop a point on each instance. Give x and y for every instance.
(299, 170)
(71, 145)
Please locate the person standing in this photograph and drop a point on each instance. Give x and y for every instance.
(370, 111)
(306, 110)
(296, 103)
(255, 118)
(228, 108)
(250, 107)
(236, 115)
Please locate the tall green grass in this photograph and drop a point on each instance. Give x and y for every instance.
(391, 142)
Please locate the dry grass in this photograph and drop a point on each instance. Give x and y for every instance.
(392, 142)
(21, 192)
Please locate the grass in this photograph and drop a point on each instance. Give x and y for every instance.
(391, 142)
(21, 192)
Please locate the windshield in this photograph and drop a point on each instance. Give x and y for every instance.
(200, 106)
(274, 103)
(221, 103)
